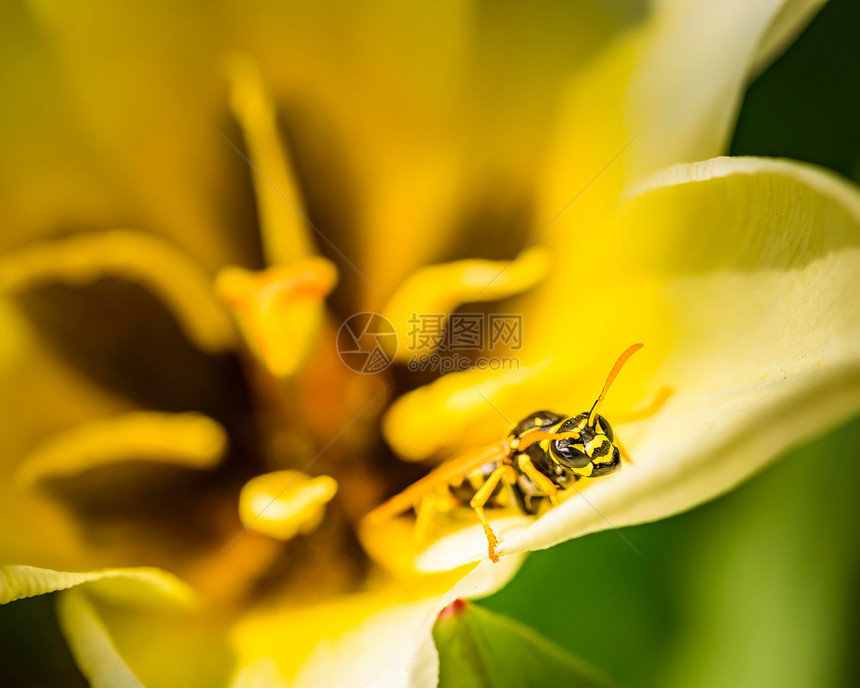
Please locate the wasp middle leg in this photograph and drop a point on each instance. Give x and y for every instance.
(483, 495)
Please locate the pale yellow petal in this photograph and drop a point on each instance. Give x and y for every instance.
(694, 60)
(283, 504)
(185, 439)
(131, 255)
(469, 544)
(789, 21)
(336, 634)
(439, 289)
(260, 633)
(667, 92)
(760, 261)
(394, 647)
(90, 644)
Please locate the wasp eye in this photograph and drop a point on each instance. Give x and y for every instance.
(570, 453)
(601, 425)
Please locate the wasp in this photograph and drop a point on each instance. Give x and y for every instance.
(542, 456)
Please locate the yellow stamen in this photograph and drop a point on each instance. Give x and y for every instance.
(439, 289)
(129, 255)
(283, 504)
(435, 418)
(283, 227)
(279, 310)
(186, 439)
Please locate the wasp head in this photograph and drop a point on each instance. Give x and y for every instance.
(590, 455)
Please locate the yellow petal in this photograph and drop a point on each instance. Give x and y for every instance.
(439, 289)
(90, 644)
(284, 225)
(279, 310)
(141, 584)
(391, 545)
(283, 504)
(126, 630)
(169, 646)
(123, 623)
(187, 439)
(128, 255)
(146, 118)
(40, 381)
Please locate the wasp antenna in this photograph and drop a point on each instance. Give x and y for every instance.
(622, 359)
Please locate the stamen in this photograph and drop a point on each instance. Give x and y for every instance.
(187, 439)
(283, 504)
(279, 310)
(286, 234)
(133, 256)
(439, 289)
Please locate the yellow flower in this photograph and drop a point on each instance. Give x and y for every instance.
(207, 426)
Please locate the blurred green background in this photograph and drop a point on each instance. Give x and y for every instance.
(759, 588)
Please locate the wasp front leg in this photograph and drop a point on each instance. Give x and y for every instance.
(548, 487)
(483, 495)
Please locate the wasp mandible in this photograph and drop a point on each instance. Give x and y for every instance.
(544, 454)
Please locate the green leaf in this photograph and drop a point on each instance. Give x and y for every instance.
(480, 648)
